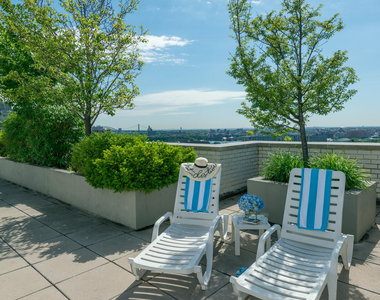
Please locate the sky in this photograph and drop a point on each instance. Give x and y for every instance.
(184, 82)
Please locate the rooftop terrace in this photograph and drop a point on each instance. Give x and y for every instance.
(49, 250)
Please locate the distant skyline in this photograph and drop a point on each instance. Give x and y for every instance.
(184, 82)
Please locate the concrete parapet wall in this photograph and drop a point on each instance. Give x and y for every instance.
(243, 160)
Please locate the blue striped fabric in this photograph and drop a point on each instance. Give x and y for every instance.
(313, 212)
(197, 195)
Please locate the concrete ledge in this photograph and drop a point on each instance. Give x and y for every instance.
(359, 210)
(134, 209)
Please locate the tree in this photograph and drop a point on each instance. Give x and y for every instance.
(89, 50)
(279, 62)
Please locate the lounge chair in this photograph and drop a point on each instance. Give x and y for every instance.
(181, 246)
(303, 261)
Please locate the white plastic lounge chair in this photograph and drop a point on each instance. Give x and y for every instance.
(302, 262)
(181, 246)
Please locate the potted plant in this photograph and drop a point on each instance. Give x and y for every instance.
(360, 200)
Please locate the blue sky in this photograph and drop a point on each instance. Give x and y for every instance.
(184, 82)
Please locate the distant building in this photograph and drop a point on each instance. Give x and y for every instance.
(357, 133)
(150, 131)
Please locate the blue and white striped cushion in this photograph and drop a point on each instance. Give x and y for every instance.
(197, 195)
(313, 213)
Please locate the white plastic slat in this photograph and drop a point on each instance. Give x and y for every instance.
(296, 287)
(309, 240)
(307, 247)
(174, 250)
(313, 269)
(281, 266)
(305, 251)
(286, 273)
(276, 289)
(291, 256)
(300, 254)
(293, 259)
(284, 278)
(162, 260)
(192, 221)
(171, 255)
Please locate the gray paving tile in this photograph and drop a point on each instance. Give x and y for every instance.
(21, 282)
(227, 293)
(18, 225)
(8, 191)
(94, 234)
(50, 293)
(369, 252)
(30, 236)
(123, 261)
(362, 274)
(68, 221)
(9, 259)
(146, 234)
(69, 264)
(348, 292)
(41, 251)
(374, 234)
(104, 282)
(143, 291)
(7, 211)
(29, 202)
(3, 204)
(47, 209)
(227, 262)
(187, 287)
(18, 197)
(120, 246)
(75, 224)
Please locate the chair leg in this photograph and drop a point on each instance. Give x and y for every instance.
(139, 273)
(348, 251)
(198, 271)
(239, 294)
(332, 283)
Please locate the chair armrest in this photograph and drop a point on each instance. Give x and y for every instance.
(159, 222)
(340, 246)
(267, 234)
(213, 226)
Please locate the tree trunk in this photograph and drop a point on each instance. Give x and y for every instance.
(87, 125)
(305, 150)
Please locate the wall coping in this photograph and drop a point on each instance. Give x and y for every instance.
(282, 144)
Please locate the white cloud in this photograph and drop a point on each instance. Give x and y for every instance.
(157, 49)
(180, 101)
(257, 2)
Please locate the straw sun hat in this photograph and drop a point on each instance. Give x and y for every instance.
(201, 169)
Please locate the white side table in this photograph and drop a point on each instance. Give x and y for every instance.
(238, 225)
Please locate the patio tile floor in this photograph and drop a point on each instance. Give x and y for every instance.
(50, 250)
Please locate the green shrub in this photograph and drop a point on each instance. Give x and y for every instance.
(127, 163)
(92, 147)
(279, 164)
(355, 178)
(2, 147)
(43, 136)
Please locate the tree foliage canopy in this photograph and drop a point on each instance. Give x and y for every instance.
(279, 61)
(88, 49)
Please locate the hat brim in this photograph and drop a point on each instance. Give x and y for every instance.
(200, 173)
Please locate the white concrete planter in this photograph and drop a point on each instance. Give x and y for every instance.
(359, 211)
(134, 209)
